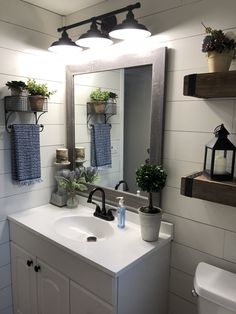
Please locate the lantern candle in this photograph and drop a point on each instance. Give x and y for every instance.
(220, 165)
(61, 155)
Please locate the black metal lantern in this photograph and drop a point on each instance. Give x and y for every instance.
(219, 156)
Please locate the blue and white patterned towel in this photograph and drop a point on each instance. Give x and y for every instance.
(101, 146)
(25, 147)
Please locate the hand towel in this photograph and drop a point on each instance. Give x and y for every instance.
(25, 147)
(101, 146)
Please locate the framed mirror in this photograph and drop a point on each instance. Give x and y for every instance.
(135, 121)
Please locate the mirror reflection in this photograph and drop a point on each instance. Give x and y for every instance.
(112, 123)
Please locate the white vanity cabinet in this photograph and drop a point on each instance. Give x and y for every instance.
(51, 275)
(37, 288)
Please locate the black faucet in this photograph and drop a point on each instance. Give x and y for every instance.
(126, 188)
(100, 213)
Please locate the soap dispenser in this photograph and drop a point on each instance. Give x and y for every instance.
(121, 213)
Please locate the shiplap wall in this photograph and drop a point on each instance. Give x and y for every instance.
(204, 231)
(25, 33)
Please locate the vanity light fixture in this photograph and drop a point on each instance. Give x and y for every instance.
(130, 29)
(64, 44)
(94, 37)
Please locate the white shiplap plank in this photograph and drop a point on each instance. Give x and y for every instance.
(196, 235)
(186, 259)
(184, 289)
(213, 214)
(22, 201)
(230, 246)
(179, 305)
(193, 116)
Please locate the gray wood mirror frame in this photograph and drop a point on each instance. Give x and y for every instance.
(157, 59)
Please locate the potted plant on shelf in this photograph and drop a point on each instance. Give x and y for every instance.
(151, 179)
(98, 99)
(38, 93)
(220, 49)
(17, 88)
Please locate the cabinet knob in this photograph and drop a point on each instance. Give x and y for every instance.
(29, 262)
(37, 268)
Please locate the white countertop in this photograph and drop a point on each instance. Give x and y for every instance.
(113, 254)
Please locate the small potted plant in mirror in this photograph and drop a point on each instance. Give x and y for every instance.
(98, 100)
(220, 49)
(151, 179)
(111, 103)
(17, 88)
(38, 94)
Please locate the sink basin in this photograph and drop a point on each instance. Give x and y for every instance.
(79, 228)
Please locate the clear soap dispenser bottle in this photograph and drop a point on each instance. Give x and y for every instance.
(121, 213)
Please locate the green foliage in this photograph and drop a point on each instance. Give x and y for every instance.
(99, 95)
(151, 178)
(17, 85)
(113, 95)
(71, 181)
(217, 41)
(35, 89)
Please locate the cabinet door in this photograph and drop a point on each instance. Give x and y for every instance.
(53, 291)
(84, 302)
(23, 281)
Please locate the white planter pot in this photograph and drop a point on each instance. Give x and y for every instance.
(150, 225)
(219, 62)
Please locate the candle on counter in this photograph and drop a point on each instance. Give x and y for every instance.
(79, 153)
(220, 165)
(61, 155)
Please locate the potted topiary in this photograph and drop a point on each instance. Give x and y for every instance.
(151, 179)
(38, 94)
(220, 49)
(98, 100)
(17, 88)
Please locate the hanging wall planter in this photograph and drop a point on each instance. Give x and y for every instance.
(219, 62)
(37, 103)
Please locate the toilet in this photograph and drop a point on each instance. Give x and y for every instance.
(215, 289)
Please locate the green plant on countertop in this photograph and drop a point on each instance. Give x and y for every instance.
(18, 86)
(71, 181)
(217, 40)
(36, 89)
(99, 95)
(151, 179)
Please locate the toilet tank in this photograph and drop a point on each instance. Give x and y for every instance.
(216, 290)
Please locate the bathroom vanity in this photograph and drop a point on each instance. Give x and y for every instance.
(56, 270)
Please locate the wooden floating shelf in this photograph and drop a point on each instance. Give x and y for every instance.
(210, 85)
(198, 186)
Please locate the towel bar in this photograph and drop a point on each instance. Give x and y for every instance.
(8, 115)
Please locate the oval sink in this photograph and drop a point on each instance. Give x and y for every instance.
(79, 228)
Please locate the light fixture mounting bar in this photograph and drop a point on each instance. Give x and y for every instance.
(100, 17)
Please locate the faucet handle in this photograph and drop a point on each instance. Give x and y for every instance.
(110, 215)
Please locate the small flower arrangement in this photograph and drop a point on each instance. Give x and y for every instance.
(217, 40)
(73, 181)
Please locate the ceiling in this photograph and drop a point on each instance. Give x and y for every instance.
(64, 7)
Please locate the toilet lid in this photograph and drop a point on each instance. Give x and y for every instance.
(216, 285)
